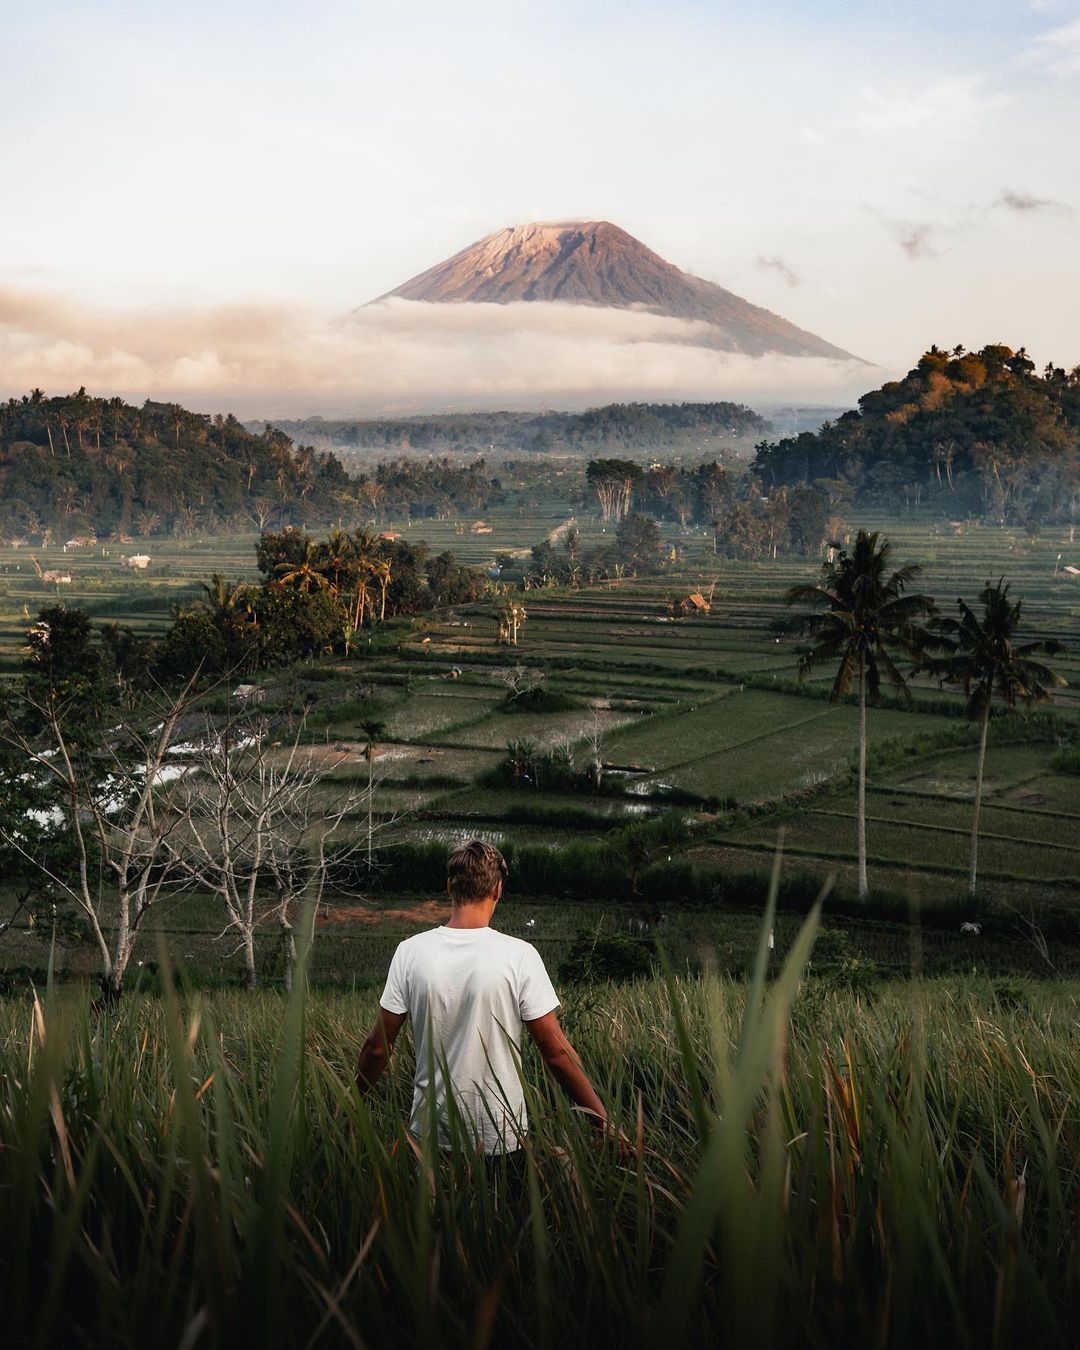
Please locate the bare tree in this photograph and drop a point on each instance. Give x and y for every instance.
(261, 512)
(593, 740)
(117, 795)
(264, 823)
(1028, 926)
(519, 680)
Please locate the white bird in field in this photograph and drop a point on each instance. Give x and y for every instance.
(530, 924)
(973, 928)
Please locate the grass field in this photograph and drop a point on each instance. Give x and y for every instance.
(823, 1167)
(879, 1147)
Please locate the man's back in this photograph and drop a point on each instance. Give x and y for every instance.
(467, 992)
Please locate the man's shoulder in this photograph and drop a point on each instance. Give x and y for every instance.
(515, 948)
(418, 942)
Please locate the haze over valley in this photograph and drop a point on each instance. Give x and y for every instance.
(569, 315)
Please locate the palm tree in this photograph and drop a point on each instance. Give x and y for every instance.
(147, 522)
(979, 653)
(382, 570)
(366, 552)
(306, 572)
(373, 730)
(339, 555)
(223, 597)
(864, 619)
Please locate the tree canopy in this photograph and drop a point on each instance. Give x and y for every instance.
(79, 465)
(616, 426)
(980, 432)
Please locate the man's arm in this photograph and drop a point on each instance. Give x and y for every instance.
(565, 1067)
(376, 1051)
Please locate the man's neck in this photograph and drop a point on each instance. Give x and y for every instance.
(477, 915)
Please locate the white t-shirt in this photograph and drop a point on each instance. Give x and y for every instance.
(472, 988)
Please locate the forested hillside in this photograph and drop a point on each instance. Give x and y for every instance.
(80, 465)
(980, 432)
(618, 426)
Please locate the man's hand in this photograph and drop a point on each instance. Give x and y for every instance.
(376, 1051)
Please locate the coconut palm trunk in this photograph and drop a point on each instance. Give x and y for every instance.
(980, 654)
(984, 727)
(373, 730)
(866, 617)
(864, 887)
(370, 800)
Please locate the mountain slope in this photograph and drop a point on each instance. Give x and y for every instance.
(596, 263)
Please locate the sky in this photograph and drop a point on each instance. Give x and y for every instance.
(196, 195)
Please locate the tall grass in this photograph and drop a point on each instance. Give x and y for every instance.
(803, 1168)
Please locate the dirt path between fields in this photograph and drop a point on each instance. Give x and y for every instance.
(429, 912)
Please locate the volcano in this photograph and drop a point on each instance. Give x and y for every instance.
(596, 263)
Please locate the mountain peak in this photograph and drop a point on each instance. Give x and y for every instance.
(593, 262)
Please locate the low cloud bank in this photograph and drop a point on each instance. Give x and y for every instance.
(393, 357)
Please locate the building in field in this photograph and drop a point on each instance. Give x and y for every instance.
(694, 603)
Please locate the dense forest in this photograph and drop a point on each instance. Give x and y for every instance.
(618, 426)
(79, 466)
(978, 432)
(316, 597)
(804, 518)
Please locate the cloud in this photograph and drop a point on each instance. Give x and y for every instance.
(398, 355)
(946, 104)
(917, 238)
(1058, 49)
(930, 238)
(778, 265)
(1024, 203)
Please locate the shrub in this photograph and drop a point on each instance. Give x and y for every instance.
(1067, 761)
(1011, 994)
(540, 699)
(616, 958)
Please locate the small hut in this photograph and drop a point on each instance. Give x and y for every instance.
(694, 603)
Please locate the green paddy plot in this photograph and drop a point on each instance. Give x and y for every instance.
(752, 744)
(546, 730)
(588, 812)
(1039, 817)
(912, 844)
(427, 714)
(1059, 793)
(952, 773)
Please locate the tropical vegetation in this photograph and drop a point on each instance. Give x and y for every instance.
(980, 433)
(864, 616)
(616, 426)
(980, 653)
(805, 1163)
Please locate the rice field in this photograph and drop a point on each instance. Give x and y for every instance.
(703, 716)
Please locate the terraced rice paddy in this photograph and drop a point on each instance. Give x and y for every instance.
(701, 712)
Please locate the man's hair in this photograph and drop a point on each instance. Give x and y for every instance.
(473, 870)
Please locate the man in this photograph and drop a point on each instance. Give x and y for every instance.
(469, 990)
